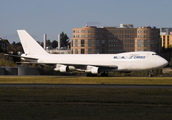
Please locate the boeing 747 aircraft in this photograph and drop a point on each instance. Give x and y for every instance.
(90, 63)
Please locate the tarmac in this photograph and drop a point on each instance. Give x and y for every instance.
(84, 86)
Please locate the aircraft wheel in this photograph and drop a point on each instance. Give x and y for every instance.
(104, 74)
(150, 73)
(91, 75)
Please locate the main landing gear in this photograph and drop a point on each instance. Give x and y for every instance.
(91, 75)
(151, 73)
(104, 74)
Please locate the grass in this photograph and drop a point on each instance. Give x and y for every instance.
(86, 80)
(85, 103)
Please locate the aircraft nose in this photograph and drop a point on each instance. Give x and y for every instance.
(165, 63)
(162, 62)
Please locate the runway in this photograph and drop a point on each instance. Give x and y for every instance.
(84, 86)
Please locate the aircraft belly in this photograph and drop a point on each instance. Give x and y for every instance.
(127, 65)
(133, 66)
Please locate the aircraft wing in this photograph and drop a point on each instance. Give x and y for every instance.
(76, 65)
(86, 67)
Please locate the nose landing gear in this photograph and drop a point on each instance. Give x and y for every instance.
(151, 73)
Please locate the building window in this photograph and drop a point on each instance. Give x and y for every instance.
(152, 43)
(97, 42)
(76, 51)
(145, 43)
(89, 51)
(82, 51)
(76, 43)
(90, 43)
(103, 43)
(145, 49)
(138, 43)
(138, 49)
(82, 31)
(82, 43)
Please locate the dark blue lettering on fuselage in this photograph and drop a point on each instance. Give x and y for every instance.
(131, 57)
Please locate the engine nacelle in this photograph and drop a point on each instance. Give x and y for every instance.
(64, 69)
(93, 70)
(61, 68)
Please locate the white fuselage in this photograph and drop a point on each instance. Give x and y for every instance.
(130, 61)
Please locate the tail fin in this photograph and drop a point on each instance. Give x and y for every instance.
(30, 46)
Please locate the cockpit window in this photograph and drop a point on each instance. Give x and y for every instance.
(154, 54)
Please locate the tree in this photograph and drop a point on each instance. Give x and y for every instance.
(19, 48)
(15, 47)
(54, 44)
(48, 43)
(64, 40)
(4, 43)
(6, 60)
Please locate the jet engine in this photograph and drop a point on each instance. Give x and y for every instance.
(63, 68)
(93, 70)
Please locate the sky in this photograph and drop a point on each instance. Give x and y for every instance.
(51, 17)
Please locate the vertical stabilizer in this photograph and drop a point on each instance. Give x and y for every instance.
(30, 46)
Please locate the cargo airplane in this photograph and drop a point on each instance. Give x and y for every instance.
(90, 63)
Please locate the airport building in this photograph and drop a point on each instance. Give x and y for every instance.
(148, 39)
(165, 31)
(166, 40)
(108, 40)
(166, 37)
